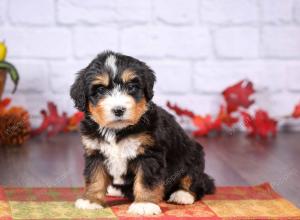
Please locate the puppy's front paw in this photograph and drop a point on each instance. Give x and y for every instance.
(144, 208)
(86, 204)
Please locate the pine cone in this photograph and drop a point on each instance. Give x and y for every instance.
(14, 126)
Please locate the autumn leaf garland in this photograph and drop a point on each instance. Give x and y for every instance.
(238, 98)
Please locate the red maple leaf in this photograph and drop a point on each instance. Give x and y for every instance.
(206, 124)
(180, 111)
(4, 103)
(226, 117)
(238, 95)
(296, 112)
(73, 121)
(53, 123)
(260, 125)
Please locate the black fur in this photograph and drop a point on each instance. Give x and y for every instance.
(174, 154)
(77, 93)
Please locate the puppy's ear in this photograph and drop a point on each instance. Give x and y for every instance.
(149, 83)
(78, 92)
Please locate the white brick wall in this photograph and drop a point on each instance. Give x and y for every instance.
(168, 11)
(237, 42)
(34, 12)
(230, 11)
(281, 42)
(277, 11)
(196, 47)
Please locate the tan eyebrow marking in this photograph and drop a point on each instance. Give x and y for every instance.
(128, 75)
(102, 79)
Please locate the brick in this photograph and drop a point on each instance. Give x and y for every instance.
(229, 11)
(173, 42)
(37, 43)
(134, 11)
(176, 11)
(62, 75)
(241, 42)
(33, 12)
(31, 73)
(276, 11)
(141, 41)
(281, 42)
(293, 77)
(214, 77)
(88, 42)
(193, 43)
(172, 77)
(2, 11)
(297, 10)
(268, 76)
(88, 11)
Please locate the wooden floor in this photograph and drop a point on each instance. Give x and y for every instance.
(231, 160)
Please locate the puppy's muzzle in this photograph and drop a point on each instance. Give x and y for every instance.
(118, 111)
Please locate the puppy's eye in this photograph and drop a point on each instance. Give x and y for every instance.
(132, 87)
(100, 90)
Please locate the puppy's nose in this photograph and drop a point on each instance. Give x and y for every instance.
(118, 111)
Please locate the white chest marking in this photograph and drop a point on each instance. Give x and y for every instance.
(117, 154)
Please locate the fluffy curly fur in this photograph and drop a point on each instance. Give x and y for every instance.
(132, 144)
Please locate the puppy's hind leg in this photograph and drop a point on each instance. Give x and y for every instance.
(183, 195)
(202, 185)
(192, 189)
(208, 184)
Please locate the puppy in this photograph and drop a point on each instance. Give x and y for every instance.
(133, 147)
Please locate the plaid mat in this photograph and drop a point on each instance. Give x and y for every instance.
(256, 202)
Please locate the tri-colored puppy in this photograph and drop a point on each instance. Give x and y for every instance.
(133, 147)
